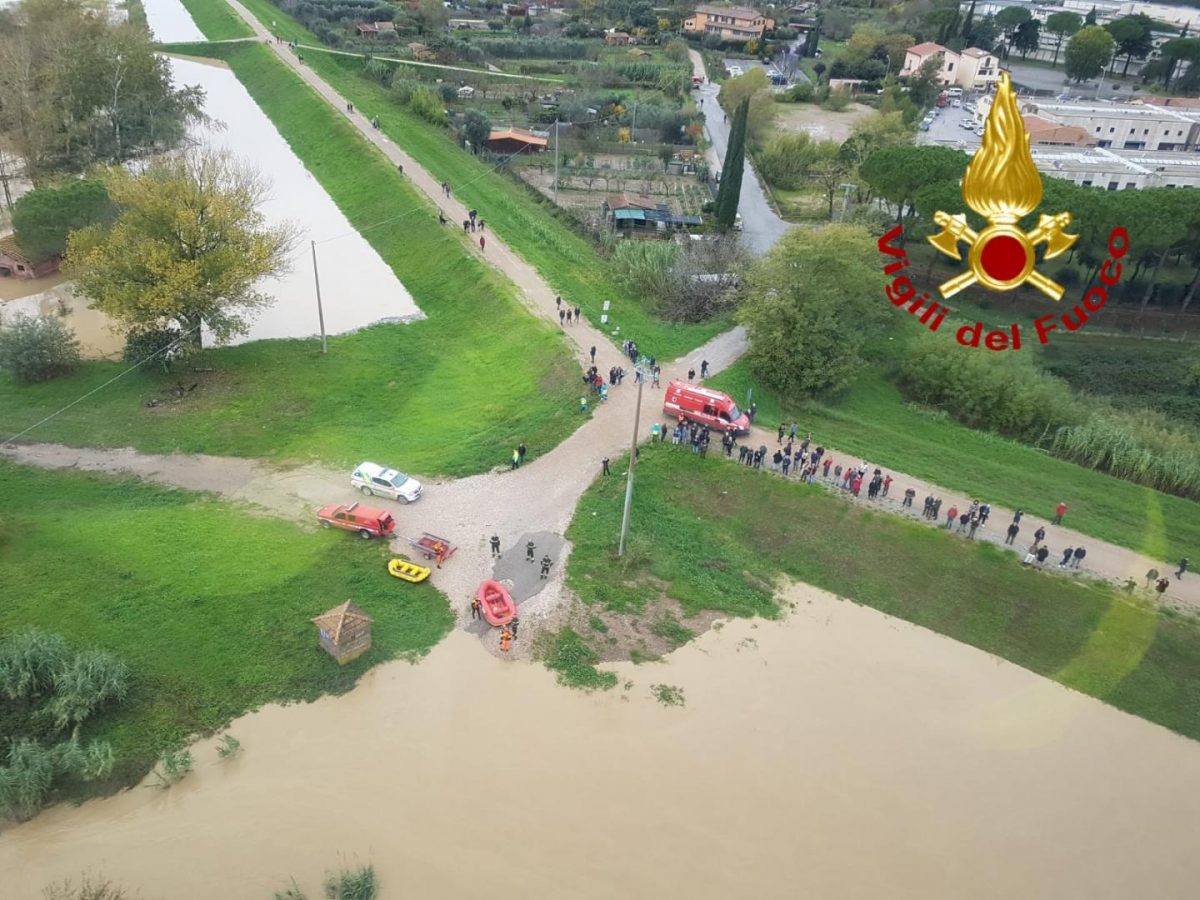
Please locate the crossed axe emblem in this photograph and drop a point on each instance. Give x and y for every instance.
(1008, 242)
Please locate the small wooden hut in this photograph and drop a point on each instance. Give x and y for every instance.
(345, 632)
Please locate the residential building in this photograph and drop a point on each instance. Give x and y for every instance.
(515, 140)
(374, 29)
(1044, 133)
(731, 23)
(973, 69)
(14, 263)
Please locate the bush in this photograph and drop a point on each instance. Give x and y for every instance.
(162, 346)
(353, 884)
(29, 663)
(996, 392)
(837, 100)
(404, 88)
(428, 106)
(801, 92)
(786, 159)
(32, 769)
(37, 348)
(87, 890)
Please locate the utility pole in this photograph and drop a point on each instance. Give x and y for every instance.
(637, 414)
(846, 189)
(4, 179)
(633, 130)
(320, 311)
(556, 160)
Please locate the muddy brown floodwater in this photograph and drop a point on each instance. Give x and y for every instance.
(837, 754)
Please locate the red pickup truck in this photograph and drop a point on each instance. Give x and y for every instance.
(368, 521)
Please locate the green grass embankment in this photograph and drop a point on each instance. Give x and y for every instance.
(207, 604)
(446, 395)
(873, 422)
(217, 21)
(714, 536)
(531, 226)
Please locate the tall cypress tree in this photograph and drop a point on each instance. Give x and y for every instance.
(730, 191)
(968, 23)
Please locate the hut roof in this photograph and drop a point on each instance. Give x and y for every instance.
(333, 621)
(10, 248)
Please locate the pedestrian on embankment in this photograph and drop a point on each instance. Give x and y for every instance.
(1183, 567)
(529, 548)
(604, 466)
(1013, 529)
(1077, 557)
(495, 546)
(1059, 512)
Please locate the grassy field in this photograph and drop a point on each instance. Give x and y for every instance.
(713, 536)
(873, 421)
(445, 395)
(567, 261)
(208, 605)
(217, 21)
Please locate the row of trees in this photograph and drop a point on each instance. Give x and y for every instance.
(76, 90)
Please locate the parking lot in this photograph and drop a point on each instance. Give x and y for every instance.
(745, 65)
(946, 128)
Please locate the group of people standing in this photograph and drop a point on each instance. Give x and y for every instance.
(566, 314)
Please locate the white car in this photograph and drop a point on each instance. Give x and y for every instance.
(375, 480)
(735, 71)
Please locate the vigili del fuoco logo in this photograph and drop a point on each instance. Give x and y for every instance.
(1002, 185)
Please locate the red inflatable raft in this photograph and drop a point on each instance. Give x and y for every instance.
(498, 607)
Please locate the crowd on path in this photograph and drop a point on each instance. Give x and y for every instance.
(806, 461)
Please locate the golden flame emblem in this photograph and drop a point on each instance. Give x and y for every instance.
(1002, 185)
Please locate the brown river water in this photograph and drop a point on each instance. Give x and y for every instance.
(837, 754)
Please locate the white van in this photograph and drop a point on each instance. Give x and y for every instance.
(954, 92)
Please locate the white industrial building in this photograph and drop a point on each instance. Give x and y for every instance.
(1119, 170)
(1119, 126)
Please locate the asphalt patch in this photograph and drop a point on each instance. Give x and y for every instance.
(521, 577)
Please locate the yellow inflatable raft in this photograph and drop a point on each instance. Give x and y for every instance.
(407, 571)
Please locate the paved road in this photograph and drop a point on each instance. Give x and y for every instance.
(761, 227)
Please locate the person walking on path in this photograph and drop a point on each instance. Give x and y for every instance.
(558, 301)
(481, 225)
(578, 312)
(604, 466)
(1151, 577)
(1066, 557)
(513, 625)
(1039, 535)
(1042, 553)
(974, 525)
(561, 315)
(546, 561)
(1059, 512)
(520, 454)
(887, 483)
(1077, 557)
(951, 515)
(704, 368)
(779, 434)
(529, 548)
(1017, 517)
(787, 464)
(1012, 533)
(476, 608)
(984, 511)
(1183, 567)
(482, 243)
(495, 546)
(516, 461)
(962, 522)
(592, 352)
(691, 374)
(1162, 585)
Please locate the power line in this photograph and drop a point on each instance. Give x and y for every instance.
(175, 343)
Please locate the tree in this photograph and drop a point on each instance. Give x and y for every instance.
(1028, 37)
(44, 217)
(985, 33)
(188, 248)
(1062, 25)
(923, 87)
(898, 173)
(730, 192)
(430, 16)
(968, 24)
(785, 160)
(476, 129)
(1176, 50)
(829, 171)
(79, 91)
(1088, 52)
(1133, 36)
(37, 348)
(1009, 20)
(810, 305)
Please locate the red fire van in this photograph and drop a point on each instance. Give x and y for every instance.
(705, 407)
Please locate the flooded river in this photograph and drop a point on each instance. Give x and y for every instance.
(840, 754)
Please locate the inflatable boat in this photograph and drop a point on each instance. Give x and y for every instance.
(407, 571)
(498, 607)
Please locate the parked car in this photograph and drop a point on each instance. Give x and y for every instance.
(375, 480)
(735, 71)
(367, 521)
(705, 407)
(924, 126)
